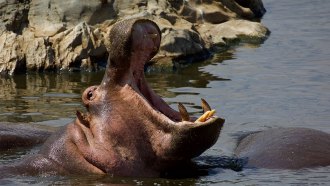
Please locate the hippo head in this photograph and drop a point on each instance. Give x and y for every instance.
(128, 129)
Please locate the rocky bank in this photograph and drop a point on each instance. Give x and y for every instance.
(46, 35)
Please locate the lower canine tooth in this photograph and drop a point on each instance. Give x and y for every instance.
(206, 115)
(206, 107)
(183, 112)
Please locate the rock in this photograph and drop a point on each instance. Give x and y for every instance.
(74, 45)
(13, 15)
(62, 35)
(256, 6)
(10, 56)
(48, 18)
(181, 42)
(38, 52)
(232, 30)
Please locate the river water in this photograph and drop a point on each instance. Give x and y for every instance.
(283, 82)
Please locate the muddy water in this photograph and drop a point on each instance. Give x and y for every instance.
(284, 82)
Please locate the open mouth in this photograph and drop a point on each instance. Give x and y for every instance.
(158, 104)
(127, 66)
(146, 42)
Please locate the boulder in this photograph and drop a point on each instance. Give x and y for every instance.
(43, 35)
(10, 56)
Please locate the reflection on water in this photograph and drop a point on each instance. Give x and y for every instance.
(284, 82)
(42, 97)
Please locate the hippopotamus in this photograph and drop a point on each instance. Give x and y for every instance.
(127, 129)
(285, 148)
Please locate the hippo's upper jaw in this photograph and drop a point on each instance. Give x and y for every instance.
(128, 129)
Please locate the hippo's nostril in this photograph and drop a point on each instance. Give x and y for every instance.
(89, 95)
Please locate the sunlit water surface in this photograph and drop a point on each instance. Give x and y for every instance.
(284, 82)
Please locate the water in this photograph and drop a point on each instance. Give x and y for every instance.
(284, 82)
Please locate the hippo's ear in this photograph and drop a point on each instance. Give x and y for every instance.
(82, 118)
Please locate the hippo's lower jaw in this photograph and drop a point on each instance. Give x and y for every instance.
(171, 137)
(144, 129)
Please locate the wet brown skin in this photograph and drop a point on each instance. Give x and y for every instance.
(286, 148)
(128, 130)
(22, 135)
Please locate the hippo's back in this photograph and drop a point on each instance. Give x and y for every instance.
(286, 148)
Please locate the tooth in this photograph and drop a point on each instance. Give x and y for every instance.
(183, 112)
(206, 115)
(206, 107)
(153, 36)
